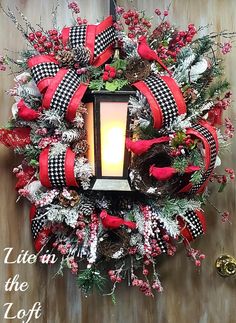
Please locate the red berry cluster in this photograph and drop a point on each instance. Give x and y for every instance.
(179, 40)
(226, 101)
(144, 287)
(50, 43)
(223, 179)
(136, 22)
(179, 148)
(81, 21)
(115, 276)
(80, 232)
(225, 216)
(159, 13)
(109, 73)
(229, 129)
(182, 38)
(74, 7)
(196, 255)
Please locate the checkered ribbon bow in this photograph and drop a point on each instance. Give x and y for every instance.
(40, 231)
(192, 225)
(164, 97)
(61, 87)
(57, 170)
(207, 135)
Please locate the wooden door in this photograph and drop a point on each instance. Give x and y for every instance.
(189, 295)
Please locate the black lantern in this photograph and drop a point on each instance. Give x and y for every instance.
(107, 124)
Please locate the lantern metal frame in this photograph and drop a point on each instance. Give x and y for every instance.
(99, 181)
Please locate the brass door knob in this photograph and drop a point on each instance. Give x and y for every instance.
(226, 265)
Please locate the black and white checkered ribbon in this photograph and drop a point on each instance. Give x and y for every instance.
(44, 70)
(103, 40)
(213, 154)
(194, 225)
(64, 92)
(77, 36)
(56, 169)
(164, 97)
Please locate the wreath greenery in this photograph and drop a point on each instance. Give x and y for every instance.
(181, 94)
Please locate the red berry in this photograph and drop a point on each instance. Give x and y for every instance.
(40, 41)
(107, 68)
(197, 263)
(105, 77)
(232, 176)
(54, 38)
(119, 279)
(41, 50)
(131, 28)
(127, 21)
(113, 278)
(130, 35)
(189, 39)
(145, 272)
(56, 48)
(166, 237)
(135, 21)
(125, 16)
(111, 272)
(38, 34)
(36, 46)
(147, 262)
(48, 44)
(158, 12)
(112, 74)
(31, 37)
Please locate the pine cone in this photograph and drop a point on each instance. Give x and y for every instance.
(72, 201)
(137, 70)
(81, 55)
(80, 147)
(70, 135)
(86, 206)
(65, 58)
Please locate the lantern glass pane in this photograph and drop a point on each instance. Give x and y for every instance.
(113, 120)
(89, 122)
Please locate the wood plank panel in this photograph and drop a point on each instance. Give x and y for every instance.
(189, 295)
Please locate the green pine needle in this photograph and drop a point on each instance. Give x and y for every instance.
(196, 177)
(180, 163)
(217, 88)
(90, 279)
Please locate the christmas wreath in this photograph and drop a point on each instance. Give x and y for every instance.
(104, 236)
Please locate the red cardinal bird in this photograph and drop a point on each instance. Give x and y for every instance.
(162, 173)
(147, 53)
(26, 113)
(165, 173)
(114, 222)
(141, 146)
